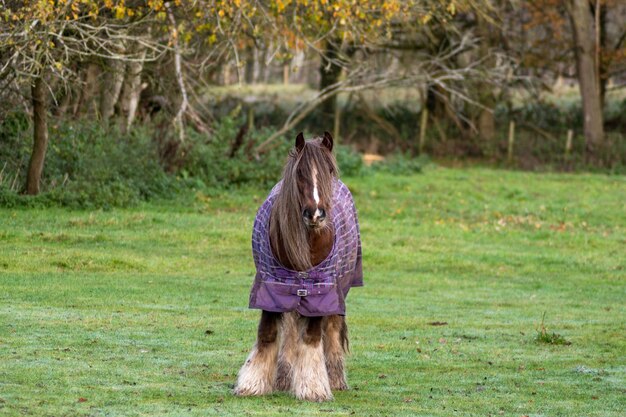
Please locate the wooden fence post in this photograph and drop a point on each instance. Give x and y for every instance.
(423, 125)
(511, 141)
(568, 143)
(337, 124)
(250, 118)
(286, 74)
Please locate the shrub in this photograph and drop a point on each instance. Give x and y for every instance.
(209, 162)
(89, 166)
(349, 161)
(400, 164)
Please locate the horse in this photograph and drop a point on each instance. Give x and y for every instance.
(307, 252)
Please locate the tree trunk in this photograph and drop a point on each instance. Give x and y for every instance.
(86, 103)
(256, 68)
(40, 136)
(297, 66)
(329, 75)
(110, 87)
(486, 123)
(131, 87)
(603, 42)
(264, 71)
(486, 120)
(584, 39)
(249, 67)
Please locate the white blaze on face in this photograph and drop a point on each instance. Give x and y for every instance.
(316, 195)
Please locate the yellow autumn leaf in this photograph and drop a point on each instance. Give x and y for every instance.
(120, 12)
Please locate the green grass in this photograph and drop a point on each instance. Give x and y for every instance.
(143, 311)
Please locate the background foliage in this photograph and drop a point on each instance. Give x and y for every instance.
(110, 103)
(89, 166)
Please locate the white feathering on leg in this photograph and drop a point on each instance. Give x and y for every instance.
(256, 376)
(287, 352)
(310, 378)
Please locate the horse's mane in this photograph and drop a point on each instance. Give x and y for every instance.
(286, 225)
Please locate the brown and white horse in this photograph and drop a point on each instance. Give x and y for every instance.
(295, 352)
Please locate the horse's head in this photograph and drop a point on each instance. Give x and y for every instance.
(314, 169)
(303, 204)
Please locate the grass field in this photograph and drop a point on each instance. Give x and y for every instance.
(144, 311)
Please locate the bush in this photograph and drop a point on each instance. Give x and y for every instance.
(88, 166)
(208, 161)
(400, 164)
(349, 161)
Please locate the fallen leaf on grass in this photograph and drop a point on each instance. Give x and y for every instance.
(82, 400)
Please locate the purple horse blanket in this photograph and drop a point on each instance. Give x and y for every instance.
(320, 291)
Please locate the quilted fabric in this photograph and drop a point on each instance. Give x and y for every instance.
(322, 290)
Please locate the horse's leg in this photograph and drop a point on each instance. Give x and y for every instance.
(257, 374)
(287, 351)
(335, 343)
(310, 378)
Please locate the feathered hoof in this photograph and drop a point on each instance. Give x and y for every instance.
(252, 386)
(250, 391)
(310, 378)
(256, 376)
(318, 394)
(336, 375)
(339, 385)
(283, 377)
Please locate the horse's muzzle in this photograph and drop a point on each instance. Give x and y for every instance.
(314, 218)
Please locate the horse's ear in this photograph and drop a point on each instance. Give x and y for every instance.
(299, 142)
(327, 141)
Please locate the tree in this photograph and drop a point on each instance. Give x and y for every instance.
(353, 39)
(42, 41)
(588, 76)
(551, 38)
(40, 135)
